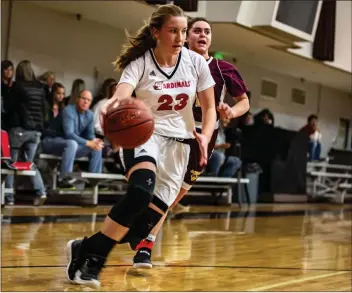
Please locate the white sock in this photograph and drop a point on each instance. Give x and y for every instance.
(151, 238)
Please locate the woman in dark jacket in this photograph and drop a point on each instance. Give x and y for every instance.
(32, 98)
(9, 92)
(26, 134)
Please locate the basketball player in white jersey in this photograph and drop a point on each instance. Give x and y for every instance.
(167, 77)
(228, 79)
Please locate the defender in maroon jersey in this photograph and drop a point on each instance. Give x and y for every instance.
(227, 79)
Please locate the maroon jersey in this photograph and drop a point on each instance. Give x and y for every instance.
(226, 74)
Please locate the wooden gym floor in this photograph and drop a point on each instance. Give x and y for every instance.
(301, 247)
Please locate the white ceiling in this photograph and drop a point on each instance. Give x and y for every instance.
(254, 48)
(243, 44)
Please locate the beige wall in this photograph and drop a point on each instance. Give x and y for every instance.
(329, 104)
(343, 35)
(58, 42)
(5, 6)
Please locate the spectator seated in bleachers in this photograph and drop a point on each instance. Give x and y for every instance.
(71, 135)
(25, 105)
(313, 132)
(56, 100)
(218, 160)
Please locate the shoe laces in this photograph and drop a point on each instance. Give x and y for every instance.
(144, 251)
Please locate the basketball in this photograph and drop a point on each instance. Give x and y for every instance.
(130, 125)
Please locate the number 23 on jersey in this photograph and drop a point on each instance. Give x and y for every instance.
(166, 102)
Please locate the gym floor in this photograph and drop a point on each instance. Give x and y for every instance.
(271, 247)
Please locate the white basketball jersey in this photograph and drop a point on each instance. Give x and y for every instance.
(170, 92)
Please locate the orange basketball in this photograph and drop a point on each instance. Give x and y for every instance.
(130, 125)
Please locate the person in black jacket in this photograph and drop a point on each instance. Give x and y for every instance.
(25, 132)
(9, 91)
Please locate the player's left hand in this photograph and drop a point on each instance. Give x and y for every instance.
(203, 146)
(226, 112)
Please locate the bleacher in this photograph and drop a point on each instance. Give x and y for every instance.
(6, 172)
(326, 180)
(212, 186)
(330, 180)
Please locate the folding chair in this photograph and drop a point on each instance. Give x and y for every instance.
(8, 167)
(6, 161)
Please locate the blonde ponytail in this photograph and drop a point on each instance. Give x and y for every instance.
(144, 39)
(136, 47)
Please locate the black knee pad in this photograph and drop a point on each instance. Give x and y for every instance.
(143, 179)
(143, 225)
(145, 222)
(139, 194)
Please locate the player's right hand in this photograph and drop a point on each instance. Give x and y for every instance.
(203, 146)
(111, 104)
